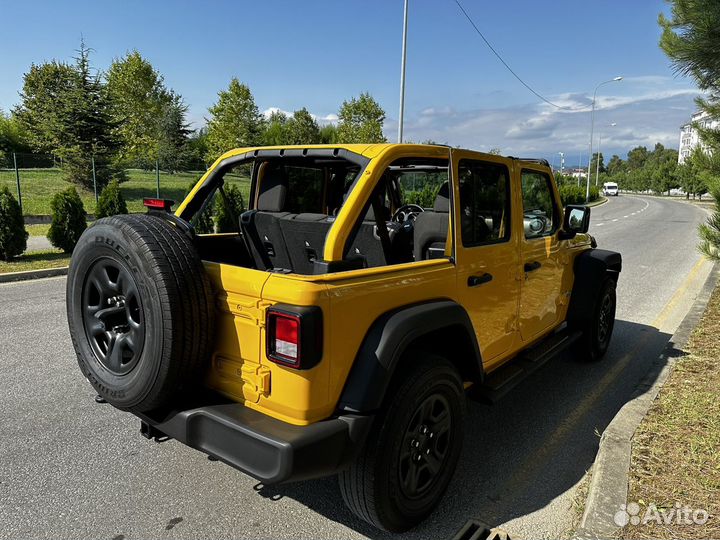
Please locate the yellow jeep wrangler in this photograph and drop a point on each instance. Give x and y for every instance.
(367, 291)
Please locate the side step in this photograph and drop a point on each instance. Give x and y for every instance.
(507, 377)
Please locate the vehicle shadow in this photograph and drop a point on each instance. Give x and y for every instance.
(523, 452)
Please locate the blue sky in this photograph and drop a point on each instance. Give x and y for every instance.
(316, 53)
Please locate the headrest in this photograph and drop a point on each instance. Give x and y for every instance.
(273, 190)
(442, 200)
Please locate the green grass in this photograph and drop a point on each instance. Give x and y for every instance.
(36, 260)
(39, 185)
(675, 457)
(41, 229)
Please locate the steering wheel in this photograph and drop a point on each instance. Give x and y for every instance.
(407, 212)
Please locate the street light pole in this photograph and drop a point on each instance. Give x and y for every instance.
(402, 74)
(592, 126)
(597, 161)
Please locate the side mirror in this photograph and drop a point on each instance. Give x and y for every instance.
(576, 220)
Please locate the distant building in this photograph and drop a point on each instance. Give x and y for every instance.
(578, 173)
(690, 137)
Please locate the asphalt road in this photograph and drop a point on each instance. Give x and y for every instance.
(70, 468)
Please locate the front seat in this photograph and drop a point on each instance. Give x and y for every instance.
(431, 228)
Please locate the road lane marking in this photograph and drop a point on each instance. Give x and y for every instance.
(614, 219)
(665, 313)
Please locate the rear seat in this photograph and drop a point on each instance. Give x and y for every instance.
(305, 239)
(262, 226)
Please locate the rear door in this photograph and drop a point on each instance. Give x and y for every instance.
(487, 250)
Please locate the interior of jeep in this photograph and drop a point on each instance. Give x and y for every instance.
(294, 201)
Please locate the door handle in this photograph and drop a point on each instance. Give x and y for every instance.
(531, 267)
(474, 281)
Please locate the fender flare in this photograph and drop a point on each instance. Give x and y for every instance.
(590, 268)
(387, 340)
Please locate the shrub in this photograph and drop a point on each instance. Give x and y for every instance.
(229, 209)
(68, 220)
(572, 194)
(13, 236)
(111, 201)
(424, 197)
(710, 230)
(204, 222)
(594, 193)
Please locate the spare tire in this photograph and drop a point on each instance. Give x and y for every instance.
(140, 311)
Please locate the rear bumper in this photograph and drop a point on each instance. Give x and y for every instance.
(262, 447)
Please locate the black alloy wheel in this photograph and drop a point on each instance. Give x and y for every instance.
(113, 316)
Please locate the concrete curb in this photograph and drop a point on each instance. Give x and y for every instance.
(33, 274)
(609, 484)
(600, 202)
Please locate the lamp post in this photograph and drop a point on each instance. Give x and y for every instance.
(592, 126)
(597, 161)
(402, 74)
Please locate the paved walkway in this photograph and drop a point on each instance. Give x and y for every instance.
(37, 243)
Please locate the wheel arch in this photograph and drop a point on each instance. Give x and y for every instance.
(590, 268)
(440, 326)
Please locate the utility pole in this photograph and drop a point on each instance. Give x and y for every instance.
(402, 74)
(17, 181)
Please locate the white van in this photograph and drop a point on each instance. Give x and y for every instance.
(610, 188)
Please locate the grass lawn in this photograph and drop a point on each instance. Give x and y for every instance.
(39, 185)
(676, 449)
(37, 260)
(40, 229)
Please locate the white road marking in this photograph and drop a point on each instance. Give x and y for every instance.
(615, 219)
(599, 224)
(624, 217)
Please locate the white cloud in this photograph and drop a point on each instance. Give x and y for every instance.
(653, 113)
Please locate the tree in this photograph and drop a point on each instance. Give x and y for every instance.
(594, 163)
(111, 201)
(68, 220)
(328, 134)
(637, 158)
(149, 118)
(64, 110)
(12, 138)
(615, 165)
(361, 121)
(229, 208)
(302, 128)
(234, 122)
(275, 129)
(13, 236)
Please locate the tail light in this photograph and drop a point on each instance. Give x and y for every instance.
(294, 335)
(152, 203)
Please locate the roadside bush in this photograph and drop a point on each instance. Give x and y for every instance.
(204, 222)
(68, 220)
(594, 193)
(13, 236)
(111, 201)
(228, 211)
(572, 194)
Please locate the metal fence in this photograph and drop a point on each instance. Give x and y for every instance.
(35, 178)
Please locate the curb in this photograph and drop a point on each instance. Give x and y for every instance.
(609, 484)
(600, 202)
(33, 274)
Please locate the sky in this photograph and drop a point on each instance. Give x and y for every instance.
(318, 53)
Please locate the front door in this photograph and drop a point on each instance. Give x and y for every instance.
(542, 267)
(487, 254)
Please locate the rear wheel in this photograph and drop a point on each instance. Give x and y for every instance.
(598, 328)
(412, 452)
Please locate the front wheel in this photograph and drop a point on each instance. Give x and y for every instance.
(412, 452)
(598, 328)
